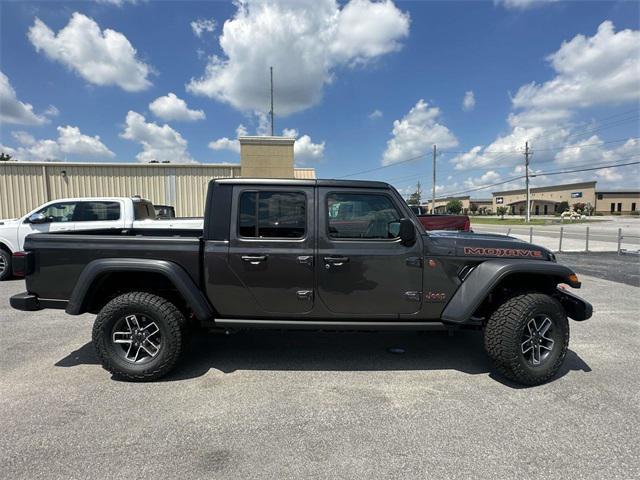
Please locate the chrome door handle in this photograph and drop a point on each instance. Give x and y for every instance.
(337, 261)
(254, 259)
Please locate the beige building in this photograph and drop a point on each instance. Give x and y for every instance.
(25, 185)
(545, 200)
(608, 202)
(467, 201)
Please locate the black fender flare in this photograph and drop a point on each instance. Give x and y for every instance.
(172, 271)
(487, 275)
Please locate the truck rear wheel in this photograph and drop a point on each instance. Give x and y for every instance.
(5, 264)
(527, 338)
(139, 336)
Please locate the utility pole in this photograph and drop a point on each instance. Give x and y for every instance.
(526, 174)
(433, 190)
(271, 112)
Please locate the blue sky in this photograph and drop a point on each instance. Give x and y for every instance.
(90, 80)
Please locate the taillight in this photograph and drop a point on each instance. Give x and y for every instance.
(22, 263)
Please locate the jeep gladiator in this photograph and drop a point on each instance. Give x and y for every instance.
(302, 254)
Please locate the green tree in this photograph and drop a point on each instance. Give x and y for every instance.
(474, 208)
(4, 157)
(454, 206)
(416, 197)
(501, 211)
(563, 207)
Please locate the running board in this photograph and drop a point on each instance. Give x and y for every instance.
(326, 325)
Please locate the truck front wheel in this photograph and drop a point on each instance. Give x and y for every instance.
(139, 336)
(527, 338)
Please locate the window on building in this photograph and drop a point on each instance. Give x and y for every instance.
(633, 206)
(96, 211)
(613, 207)
(272, 214)
(599, 196)
(619, 207)
(362, 215)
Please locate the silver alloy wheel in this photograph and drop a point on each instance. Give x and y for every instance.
(138, 338)
(537, 342)
(3, 264)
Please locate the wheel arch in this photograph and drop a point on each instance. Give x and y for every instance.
(494, 276)
(158, 273)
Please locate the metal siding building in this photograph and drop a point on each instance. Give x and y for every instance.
(25, 185)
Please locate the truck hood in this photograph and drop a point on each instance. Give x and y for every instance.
(486, 245)
(9, 221)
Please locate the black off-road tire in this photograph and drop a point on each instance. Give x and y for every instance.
(504, 332)
(5, 261)
(166, 315)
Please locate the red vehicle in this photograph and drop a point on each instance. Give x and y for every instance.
(441, 222)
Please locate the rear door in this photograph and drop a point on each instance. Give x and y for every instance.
(271, 247)
(363, 268)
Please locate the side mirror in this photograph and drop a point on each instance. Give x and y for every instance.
(407, 232)
(37, 218)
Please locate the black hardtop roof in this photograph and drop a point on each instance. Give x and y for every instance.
(302, 183)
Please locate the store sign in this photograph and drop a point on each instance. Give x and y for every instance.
(576, 194)
(500, 200)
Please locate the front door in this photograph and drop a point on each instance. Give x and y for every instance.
(271, 248)
(363, 268)
(59, 218)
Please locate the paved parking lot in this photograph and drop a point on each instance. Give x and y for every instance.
(321, 405)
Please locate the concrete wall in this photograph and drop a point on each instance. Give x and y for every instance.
(267, 157)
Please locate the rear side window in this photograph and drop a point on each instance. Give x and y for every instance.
(96, 211)
(267, 214)
(143, 211)
(362, 215)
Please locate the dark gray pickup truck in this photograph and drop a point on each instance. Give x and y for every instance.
(319, 254)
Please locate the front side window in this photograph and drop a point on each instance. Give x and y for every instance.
(59, 212)
(267, 214)
(362, 215)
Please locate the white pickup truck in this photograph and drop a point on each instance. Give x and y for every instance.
(82, 214)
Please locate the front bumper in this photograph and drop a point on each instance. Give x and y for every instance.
(25, 301)
(576, 308)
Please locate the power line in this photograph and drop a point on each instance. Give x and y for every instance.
(385, 166)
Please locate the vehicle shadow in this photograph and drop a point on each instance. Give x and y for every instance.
(332, 351)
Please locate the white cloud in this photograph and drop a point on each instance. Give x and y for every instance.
(469, 101)
(522, 4)
(603, 69)
(101, 57)
(170, 107)
(375, 114)
(416, 133)
(71, 144)
(23, 138)
(304, 41)
(161, 143)
(13, 110)
(304, 150)
(600, 70)
(203, 25)
(225, 143)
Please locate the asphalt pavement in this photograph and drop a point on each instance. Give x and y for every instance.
(321, 405)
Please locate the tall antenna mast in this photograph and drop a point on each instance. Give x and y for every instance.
(271, 112)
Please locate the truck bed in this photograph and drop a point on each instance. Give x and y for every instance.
(62, 256)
